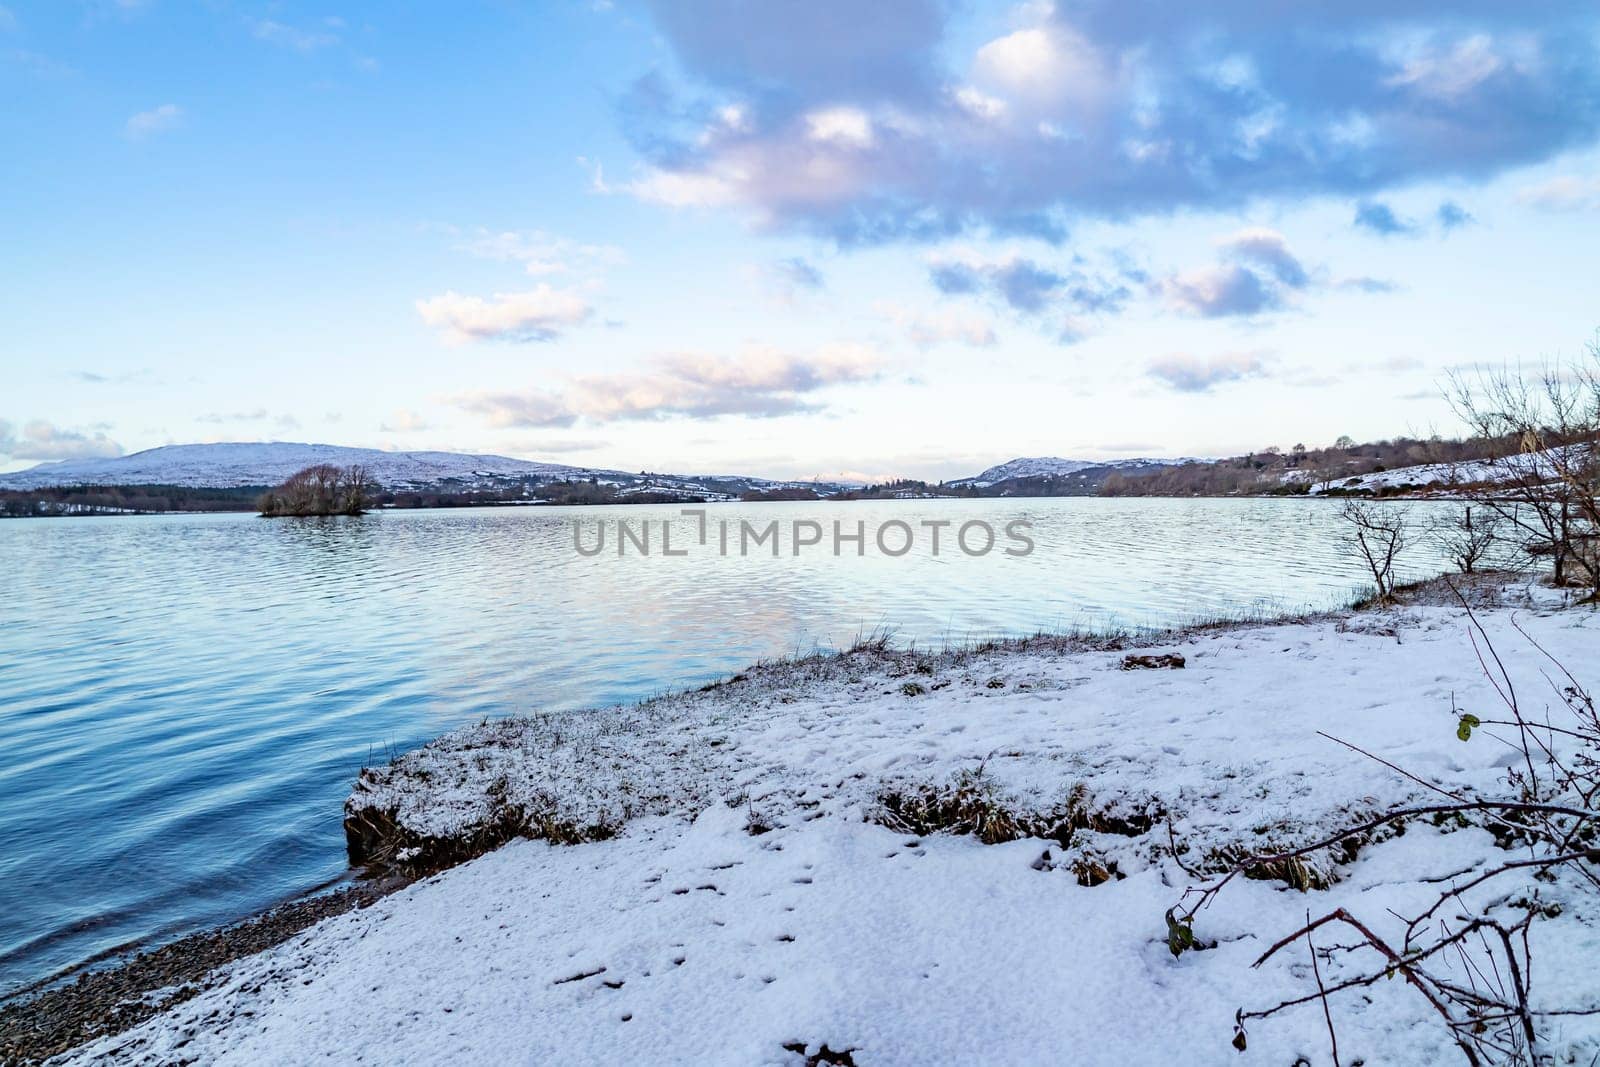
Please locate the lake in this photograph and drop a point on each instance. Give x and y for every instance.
(187, 699)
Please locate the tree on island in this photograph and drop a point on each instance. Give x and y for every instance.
(323, 489)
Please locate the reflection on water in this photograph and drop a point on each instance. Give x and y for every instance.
(186, 699)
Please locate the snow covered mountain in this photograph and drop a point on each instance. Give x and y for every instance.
(268, 463)
(1056, 467)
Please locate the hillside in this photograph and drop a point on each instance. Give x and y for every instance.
(1055, 467)
(1055, 476)
(229, 477)
(1399, 466)
(231, 464)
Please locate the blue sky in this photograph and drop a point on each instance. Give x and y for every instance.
(908, 238)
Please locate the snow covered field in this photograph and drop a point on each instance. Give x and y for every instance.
(762, 893)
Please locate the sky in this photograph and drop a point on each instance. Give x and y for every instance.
(797, 239)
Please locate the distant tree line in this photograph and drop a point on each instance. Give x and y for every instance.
(565, 492)
(793, 492)
(898, 487)
(122, 499)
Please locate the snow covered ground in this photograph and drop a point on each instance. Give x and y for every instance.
(1442, 476)
(761, 897)
(1422, 476)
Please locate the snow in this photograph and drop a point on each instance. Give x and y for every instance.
(1422, 475)
(1436, 475)
(688, 939)
(701, 944)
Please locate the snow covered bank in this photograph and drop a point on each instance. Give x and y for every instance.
(1447, 478)
(758, 872)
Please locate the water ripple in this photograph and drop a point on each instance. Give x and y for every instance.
(186, 699)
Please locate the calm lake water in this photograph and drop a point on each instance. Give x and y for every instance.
(184, 701)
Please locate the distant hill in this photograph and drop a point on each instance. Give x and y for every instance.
(237, 464)
(225, 476)
(1401, 465)
(232, 464)
(1055, 476)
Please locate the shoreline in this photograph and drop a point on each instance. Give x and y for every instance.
(105, 997)
(1421, 494)
(409, 818)
(105, 1002)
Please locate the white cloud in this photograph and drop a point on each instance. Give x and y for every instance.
(1220, 290)
(789, 281)
(541, 253)
(979, 104)
(539, 314)
(156, 120)
(1044, 66)
(761, 383)
(1262, 275)
(821, 157)
(1451, 74)
(43, 442)
(1566, 193)
(845, 126)
(1269, 249)
(949, 325)
(403, 421)
(687, 188)
(287, 36)
(1193, 374)
(1110, 110)
(538, 408)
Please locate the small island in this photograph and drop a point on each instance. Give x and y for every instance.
(321, 489)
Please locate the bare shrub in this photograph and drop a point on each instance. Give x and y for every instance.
(1467, 537)
(1379, 533)
(323, 489)
(1469, 958)
(1545, 463)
